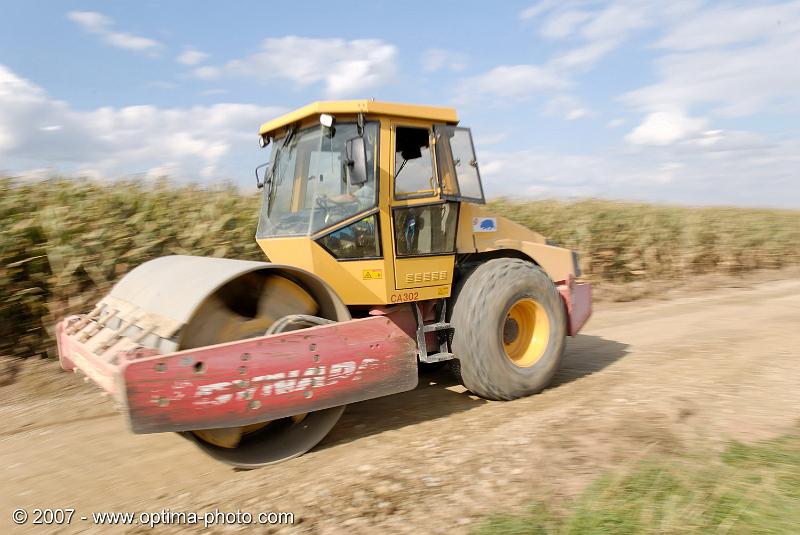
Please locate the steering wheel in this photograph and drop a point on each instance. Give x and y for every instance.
(322, 202)
(331, 207)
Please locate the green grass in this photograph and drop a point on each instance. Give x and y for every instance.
(749, 489)
(64, 242)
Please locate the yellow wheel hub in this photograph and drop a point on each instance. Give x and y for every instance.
(526, 332)
(229, 437)
(217, 323)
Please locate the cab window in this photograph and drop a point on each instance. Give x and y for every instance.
(413, 163)
(307, 190)
(355, 241)
(425, 230)
(458, 167)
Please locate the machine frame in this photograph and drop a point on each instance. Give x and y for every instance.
(254, 361)
(392, 279)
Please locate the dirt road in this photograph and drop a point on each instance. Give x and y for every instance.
(645, 377)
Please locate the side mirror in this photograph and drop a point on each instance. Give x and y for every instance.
(356, 161)
(260, 181)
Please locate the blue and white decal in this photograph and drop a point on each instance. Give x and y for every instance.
(484, 224)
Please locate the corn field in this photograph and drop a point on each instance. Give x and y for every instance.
(630, 241)
(64, 242)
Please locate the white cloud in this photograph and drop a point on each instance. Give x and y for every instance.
(592, 30)
(484, 140)
(131, 42)
(99, 24)
(584, 56)
(599, 31)
(760, 176)
(161, 84)
(668, 172)
(726, 25)
(537, 9)
(618, 19)
(563, 24)
(512, 81)
(577, 114)
(344, 67)
(191, 56)
(736, 57)
(207, 73)
(108, 141)
(664, 128)
(437, 59)
(528, 173)
(736, 63)
(598, 27)
(566, 107)
(715, 65)
(724, 62)
(91, 21)
(718, 141)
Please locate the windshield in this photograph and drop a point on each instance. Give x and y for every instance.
(308, 188)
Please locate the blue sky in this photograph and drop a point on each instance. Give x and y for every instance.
(687, 101)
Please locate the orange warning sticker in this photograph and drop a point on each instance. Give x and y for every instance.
(371, 274)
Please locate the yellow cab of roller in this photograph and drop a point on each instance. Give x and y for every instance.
(379, 199)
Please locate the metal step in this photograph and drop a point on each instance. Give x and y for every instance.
(422, 329)
(441, 326)
(437, 357)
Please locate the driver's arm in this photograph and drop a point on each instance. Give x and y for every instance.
(344, 197)
(365, 195)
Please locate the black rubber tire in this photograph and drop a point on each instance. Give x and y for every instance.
(431, 367)
(478, 317)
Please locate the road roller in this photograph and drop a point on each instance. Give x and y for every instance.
(380, 255)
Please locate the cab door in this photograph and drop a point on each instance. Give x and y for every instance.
(423, 223)
(457, 165)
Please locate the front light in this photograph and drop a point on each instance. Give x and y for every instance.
(326, 120)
